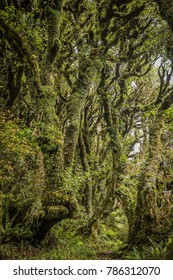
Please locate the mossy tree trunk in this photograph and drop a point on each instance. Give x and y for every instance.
(88, 189)
(146, 221)
(75, 106)
(55, 203)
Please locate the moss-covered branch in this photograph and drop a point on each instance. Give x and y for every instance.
(53, 14)
(22, 48)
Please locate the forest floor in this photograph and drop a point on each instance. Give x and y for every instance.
(64, 244)
(27, 252)
(77, 248)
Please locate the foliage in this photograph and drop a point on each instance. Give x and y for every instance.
(18, 151)
(152, 251)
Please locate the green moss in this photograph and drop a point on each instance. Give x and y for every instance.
(57, 212)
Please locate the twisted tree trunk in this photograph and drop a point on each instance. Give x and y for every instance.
(146, 221)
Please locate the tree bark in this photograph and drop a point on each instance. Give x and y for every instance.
(146, 222)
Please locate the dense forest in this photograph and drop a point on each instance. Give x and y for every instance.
(86, 129)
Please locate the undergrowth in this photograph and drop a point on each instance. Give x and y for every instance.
(151, 251)
(64, 244)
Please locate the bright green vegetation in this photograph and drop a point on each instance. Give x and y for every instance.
(86, 95)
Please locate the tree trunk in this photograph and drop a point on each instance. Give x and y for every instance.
(146, 222)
